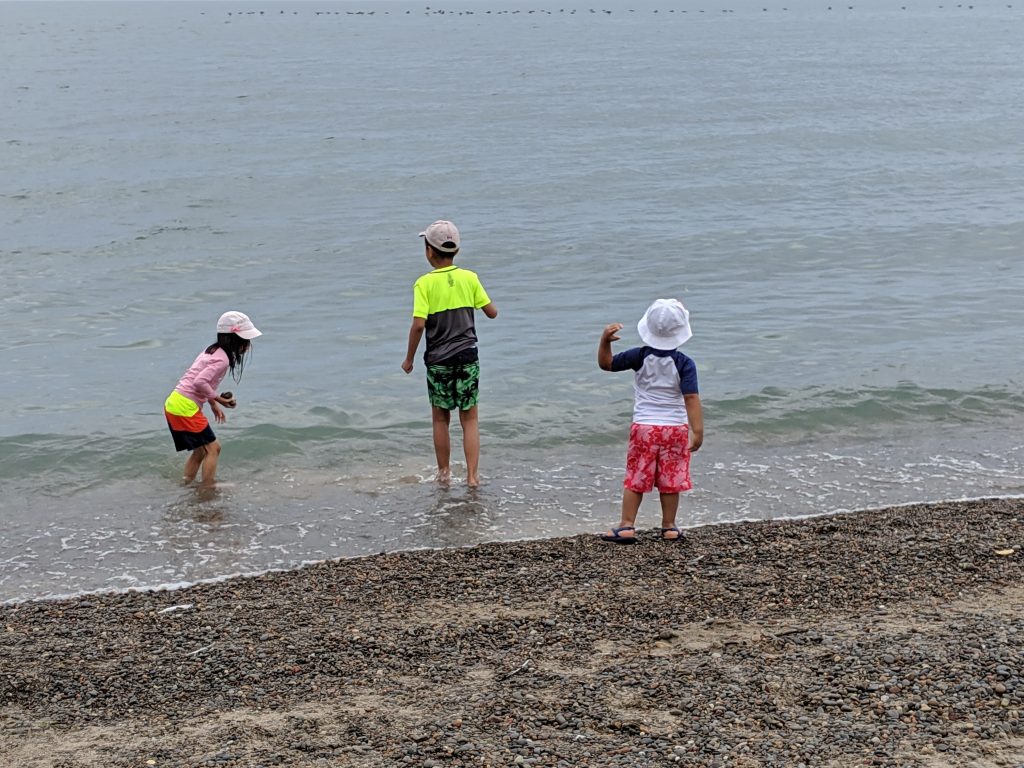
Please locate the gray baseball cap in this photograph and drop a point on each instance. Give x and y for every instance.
(443, 236)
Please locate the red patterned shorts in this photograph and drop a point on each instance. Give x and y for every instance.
(658, 455)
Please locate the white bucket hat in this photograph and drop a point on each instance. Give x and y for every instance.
(665, 324)
(443, 236)
(239, 324)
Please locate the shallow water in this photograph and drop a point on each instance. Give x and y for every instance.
(835, 195)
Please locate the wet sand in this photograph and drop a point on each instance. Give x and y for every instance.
(891, 637)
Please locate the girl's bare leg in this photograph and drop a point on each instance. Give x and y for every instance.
(210, 464)
(192, 464)
(440, 419)
(471, 444)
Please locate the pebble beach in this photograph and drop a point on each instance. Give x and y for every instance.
(887, 637)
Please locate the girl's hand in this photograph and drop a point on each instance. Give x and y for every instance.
(611, 332)
(218, 414)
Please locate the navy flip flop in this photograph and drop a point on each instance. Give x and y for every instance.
(677, 537)
(617, 537)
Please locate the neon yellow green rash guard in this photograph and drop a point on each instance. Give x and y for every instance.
(447, 298)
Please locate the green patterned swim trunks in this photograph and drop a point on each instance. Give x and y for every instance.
(454, 386)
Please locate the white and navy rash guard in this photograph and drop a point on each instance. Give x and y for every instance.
(663, 376)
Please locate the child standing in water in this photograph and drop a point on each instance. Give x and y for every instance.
(445, 301)
(668, 423)
(184, 406)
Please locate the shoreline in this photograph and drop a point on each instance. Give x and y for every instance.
(881, 637)
(183, 585)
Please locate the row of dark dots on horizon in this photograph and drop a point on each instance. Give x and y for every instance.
(441, 12)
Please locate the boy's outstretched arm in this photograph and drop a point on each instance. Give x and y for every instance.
(415, 334)
(604, 348)
(694, 415)
(490, 310)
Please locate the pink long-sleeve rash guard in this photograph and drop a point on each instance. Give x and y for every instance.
(203, 377)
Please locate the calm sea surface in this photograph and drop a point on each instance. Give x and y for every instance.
(836, 194)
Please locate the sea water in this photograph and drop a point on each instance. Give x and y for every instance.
(835, 192)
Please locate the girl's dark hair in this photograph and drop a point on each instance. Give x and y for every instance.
(235, 347)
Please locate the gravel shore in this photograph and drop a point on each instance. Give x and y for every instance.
(891, 637)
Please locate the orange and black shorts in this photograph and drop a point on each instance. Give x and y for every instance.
(189, 427)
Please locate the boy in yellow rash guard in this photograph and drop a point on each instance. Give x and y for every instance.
(444, 304)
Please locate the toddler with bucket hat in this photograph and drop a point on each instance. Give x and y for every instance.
(668, 423)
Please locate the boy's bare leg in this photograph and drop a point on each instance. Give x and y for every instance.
(471, 443)
(192, 464)
(669, 508)
(210, 465)
(441, 418)
(630, 507)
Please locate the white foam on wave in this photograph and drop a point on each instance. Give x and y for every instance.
(253, 530)
(182, 585)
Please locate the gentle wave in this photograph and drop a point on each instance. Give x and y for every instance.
(779, 413)
(47, 461)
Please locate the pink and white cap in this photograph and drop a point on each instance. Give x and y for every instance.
(239, 324)
(443, 236)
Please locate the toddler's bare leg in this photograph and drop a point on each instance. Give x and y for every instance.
(625, 531)
(669, 508)
(630, 506)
